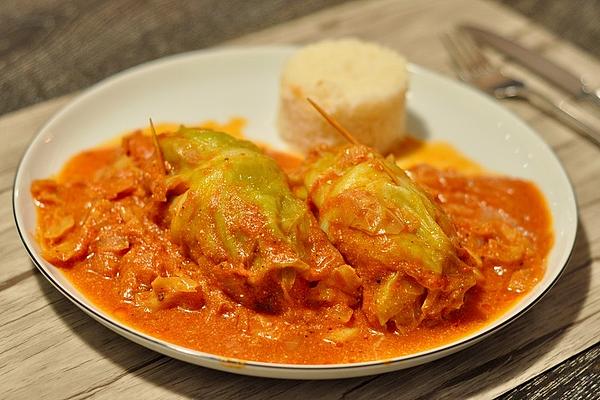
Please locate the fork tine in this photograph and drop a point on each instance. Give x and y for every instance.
(467, 55)
(479, 58)
(461, 67)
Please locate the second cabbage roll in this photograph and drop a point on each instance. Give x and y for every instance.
(401, 243)
(233, 211)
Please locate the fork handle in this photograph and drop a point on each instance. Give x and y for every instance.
(564, 112)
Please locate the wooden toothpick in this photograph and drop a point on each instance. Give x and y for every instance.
(333, 122)
(344, 132)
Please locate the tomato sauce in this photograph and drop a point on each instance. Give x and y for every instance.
(504, 222)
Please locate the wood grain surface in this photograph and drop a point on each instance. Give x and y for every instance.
(577, 378)
(51, 349)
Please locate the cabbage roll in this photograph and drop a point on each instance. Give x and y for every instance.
(231, 208)
(400, 242)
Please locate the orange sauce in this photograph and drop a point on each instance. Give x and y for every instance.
(246, 334)
(440, 155)
(234, 126)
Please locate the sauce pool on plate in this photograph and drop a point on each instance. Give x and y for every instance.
(503, 222)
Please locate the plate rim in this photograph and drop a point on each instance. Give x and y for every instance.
(391, 363)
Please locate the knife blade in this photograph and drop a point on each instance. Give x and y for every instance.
(545, 68)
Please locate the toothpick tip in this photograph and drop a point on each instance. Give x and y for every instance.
(333, 122)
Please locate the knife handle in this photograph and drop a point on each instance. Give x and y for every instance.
(593, 97)
(564, 112)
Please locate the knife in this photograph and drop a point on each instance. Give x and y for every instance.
(545, 68)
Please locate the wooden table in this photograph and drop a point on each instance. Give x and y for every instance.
(51, 349)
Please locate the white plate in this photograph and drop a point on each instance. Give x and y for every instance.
(220, 84)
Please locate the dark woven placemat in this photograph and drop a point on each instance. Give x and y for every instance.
(52, 47)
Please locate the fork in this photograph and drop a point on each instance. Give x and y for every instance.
(473, 67)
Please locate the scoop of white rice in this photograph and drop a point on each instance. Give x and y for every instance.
(362, 85)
